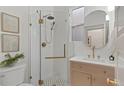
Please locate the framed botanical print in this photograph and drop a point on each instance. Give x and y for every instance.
(10, 43)
(9, 23)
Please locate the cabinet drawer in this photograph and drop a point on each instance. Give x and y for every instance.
(92, 68)
(80, 78)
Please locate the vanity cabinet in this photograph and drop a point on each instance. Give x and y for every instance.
(86, 74)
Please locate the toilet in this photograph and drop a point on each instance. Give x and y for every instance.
(13, 76)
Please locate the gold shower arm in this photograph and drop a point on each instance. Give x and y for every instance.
(58, 56)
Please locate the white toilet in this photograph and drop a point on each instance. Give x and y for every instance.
(13, 76)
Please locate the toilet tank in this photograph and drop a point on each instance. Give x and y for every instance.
(12, 76)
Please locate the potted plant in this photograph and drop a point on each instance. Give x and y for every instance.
(9, 61)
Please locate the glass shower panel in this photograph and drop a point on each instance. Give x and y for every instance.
(50, 65)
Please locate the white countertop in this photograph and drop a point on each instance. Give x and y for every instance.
(93, 61)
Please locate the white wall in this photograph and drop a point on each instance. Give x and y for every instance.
(22, 13)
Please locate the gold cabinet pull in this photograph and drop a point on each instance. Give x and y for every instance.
(105, 72)
(111, 82)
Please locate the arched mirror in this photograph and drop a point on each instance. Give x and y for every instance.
(97, 26)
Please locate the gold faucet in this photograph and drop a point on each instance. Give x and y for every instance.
(93, 53)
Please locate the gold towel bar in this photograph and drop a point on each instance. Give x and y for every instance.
(58, 56)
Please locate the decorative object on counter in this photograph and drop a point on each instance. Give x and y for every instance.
(9, 61)
(111, 58)
(10, 43)
(9, 23)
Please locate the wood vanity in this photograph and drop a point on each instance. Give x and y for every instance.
(88, 74)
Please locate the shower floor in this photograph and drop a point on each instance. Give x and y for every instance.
(55, 83)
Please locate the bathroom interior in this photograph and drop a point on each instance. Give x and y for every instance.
(61, 45)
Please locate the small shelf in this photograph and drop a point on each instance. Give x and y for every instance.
(57, 57)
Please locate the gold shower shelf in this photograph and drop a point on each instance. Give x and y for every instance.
(57, 57)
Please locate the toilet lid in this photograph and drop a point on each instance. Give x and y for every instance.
(25, 84)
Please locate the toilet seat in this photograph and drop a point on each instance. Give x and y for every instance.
(25, 84)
